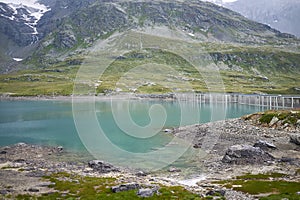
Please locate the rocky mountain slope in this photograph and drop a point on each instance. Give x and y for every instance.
(279, 14)
(57, 40)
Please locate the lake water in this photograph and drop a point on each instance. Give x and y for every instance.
(51, 122)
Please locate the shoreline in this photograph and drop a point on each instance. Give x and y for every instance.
(268, 101)
(23, 160)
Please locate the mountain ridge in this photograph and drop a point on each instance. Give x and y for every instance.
(281, 15)
(248, 53)
(69, 23)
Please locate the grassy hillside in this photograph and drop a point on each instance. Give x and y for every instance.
(245, 69)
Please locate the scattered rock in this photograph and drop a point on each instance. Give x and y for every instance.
(273, 121)
(60, 148)
(33, 190)
(216, 192)
(168, 130)
(146, 192)
(21, 144)
(102, 166)
(46, 184)
(141, 173)
(3, 152)
(36, 173)
(125, 187)
(295, 138)
(4, 192)
(246, 154)
(264, 145)
(287, 159)
(19, 160)
(174, 169)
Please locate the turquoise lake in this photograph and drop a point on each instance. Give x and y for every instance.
(51, 122)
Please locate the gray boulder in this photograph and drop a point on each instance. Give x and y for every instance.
(146, 192)
(33, 190)
(101, 166)
(246, 154)
(264, 145)
(216, 192)
(125, 187)
(273, 121)
(295, 138)
(174, 169)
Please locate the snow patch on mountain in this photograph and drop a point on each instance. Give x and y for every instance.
(28, 3)
(27, 11)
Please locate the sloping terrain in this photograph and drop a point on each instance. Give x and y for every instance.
(252, 57)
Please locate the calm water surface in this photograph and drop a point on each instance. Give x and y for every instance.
(51, 122)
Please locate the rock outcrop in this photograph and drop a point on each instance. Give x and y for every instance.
(246, 154)
(295, 138)
(125, 187)
(102, 167)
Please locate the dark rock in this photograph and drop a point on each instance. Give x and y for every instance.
(3, 152)
(45, 184)
(102, 166)
(146, 192)
(141, 173)
(216, 192)
(264, 145)
(246, 154)
(295, 138)
(287, 160)
(4, 192)
(65, 38)
(37, 173)
(19, 160)
(33, 190)
(125, 187)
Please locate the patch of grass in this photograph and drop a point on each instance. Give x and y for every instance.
(261, 184)
(245, 71)
(281, 197)
(24, 197)
(266, 118)
(260, 176)
(290, 117)
(70, 186)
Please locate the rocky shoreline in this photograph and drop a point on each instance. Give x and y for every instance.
(241, 148)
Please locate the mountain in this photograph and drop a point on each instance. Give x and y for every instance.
(279, 14)
(18, 30)
(50, 39)
(69, 24)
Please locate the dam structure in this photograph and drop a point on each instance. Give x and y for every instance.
(269, 101)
